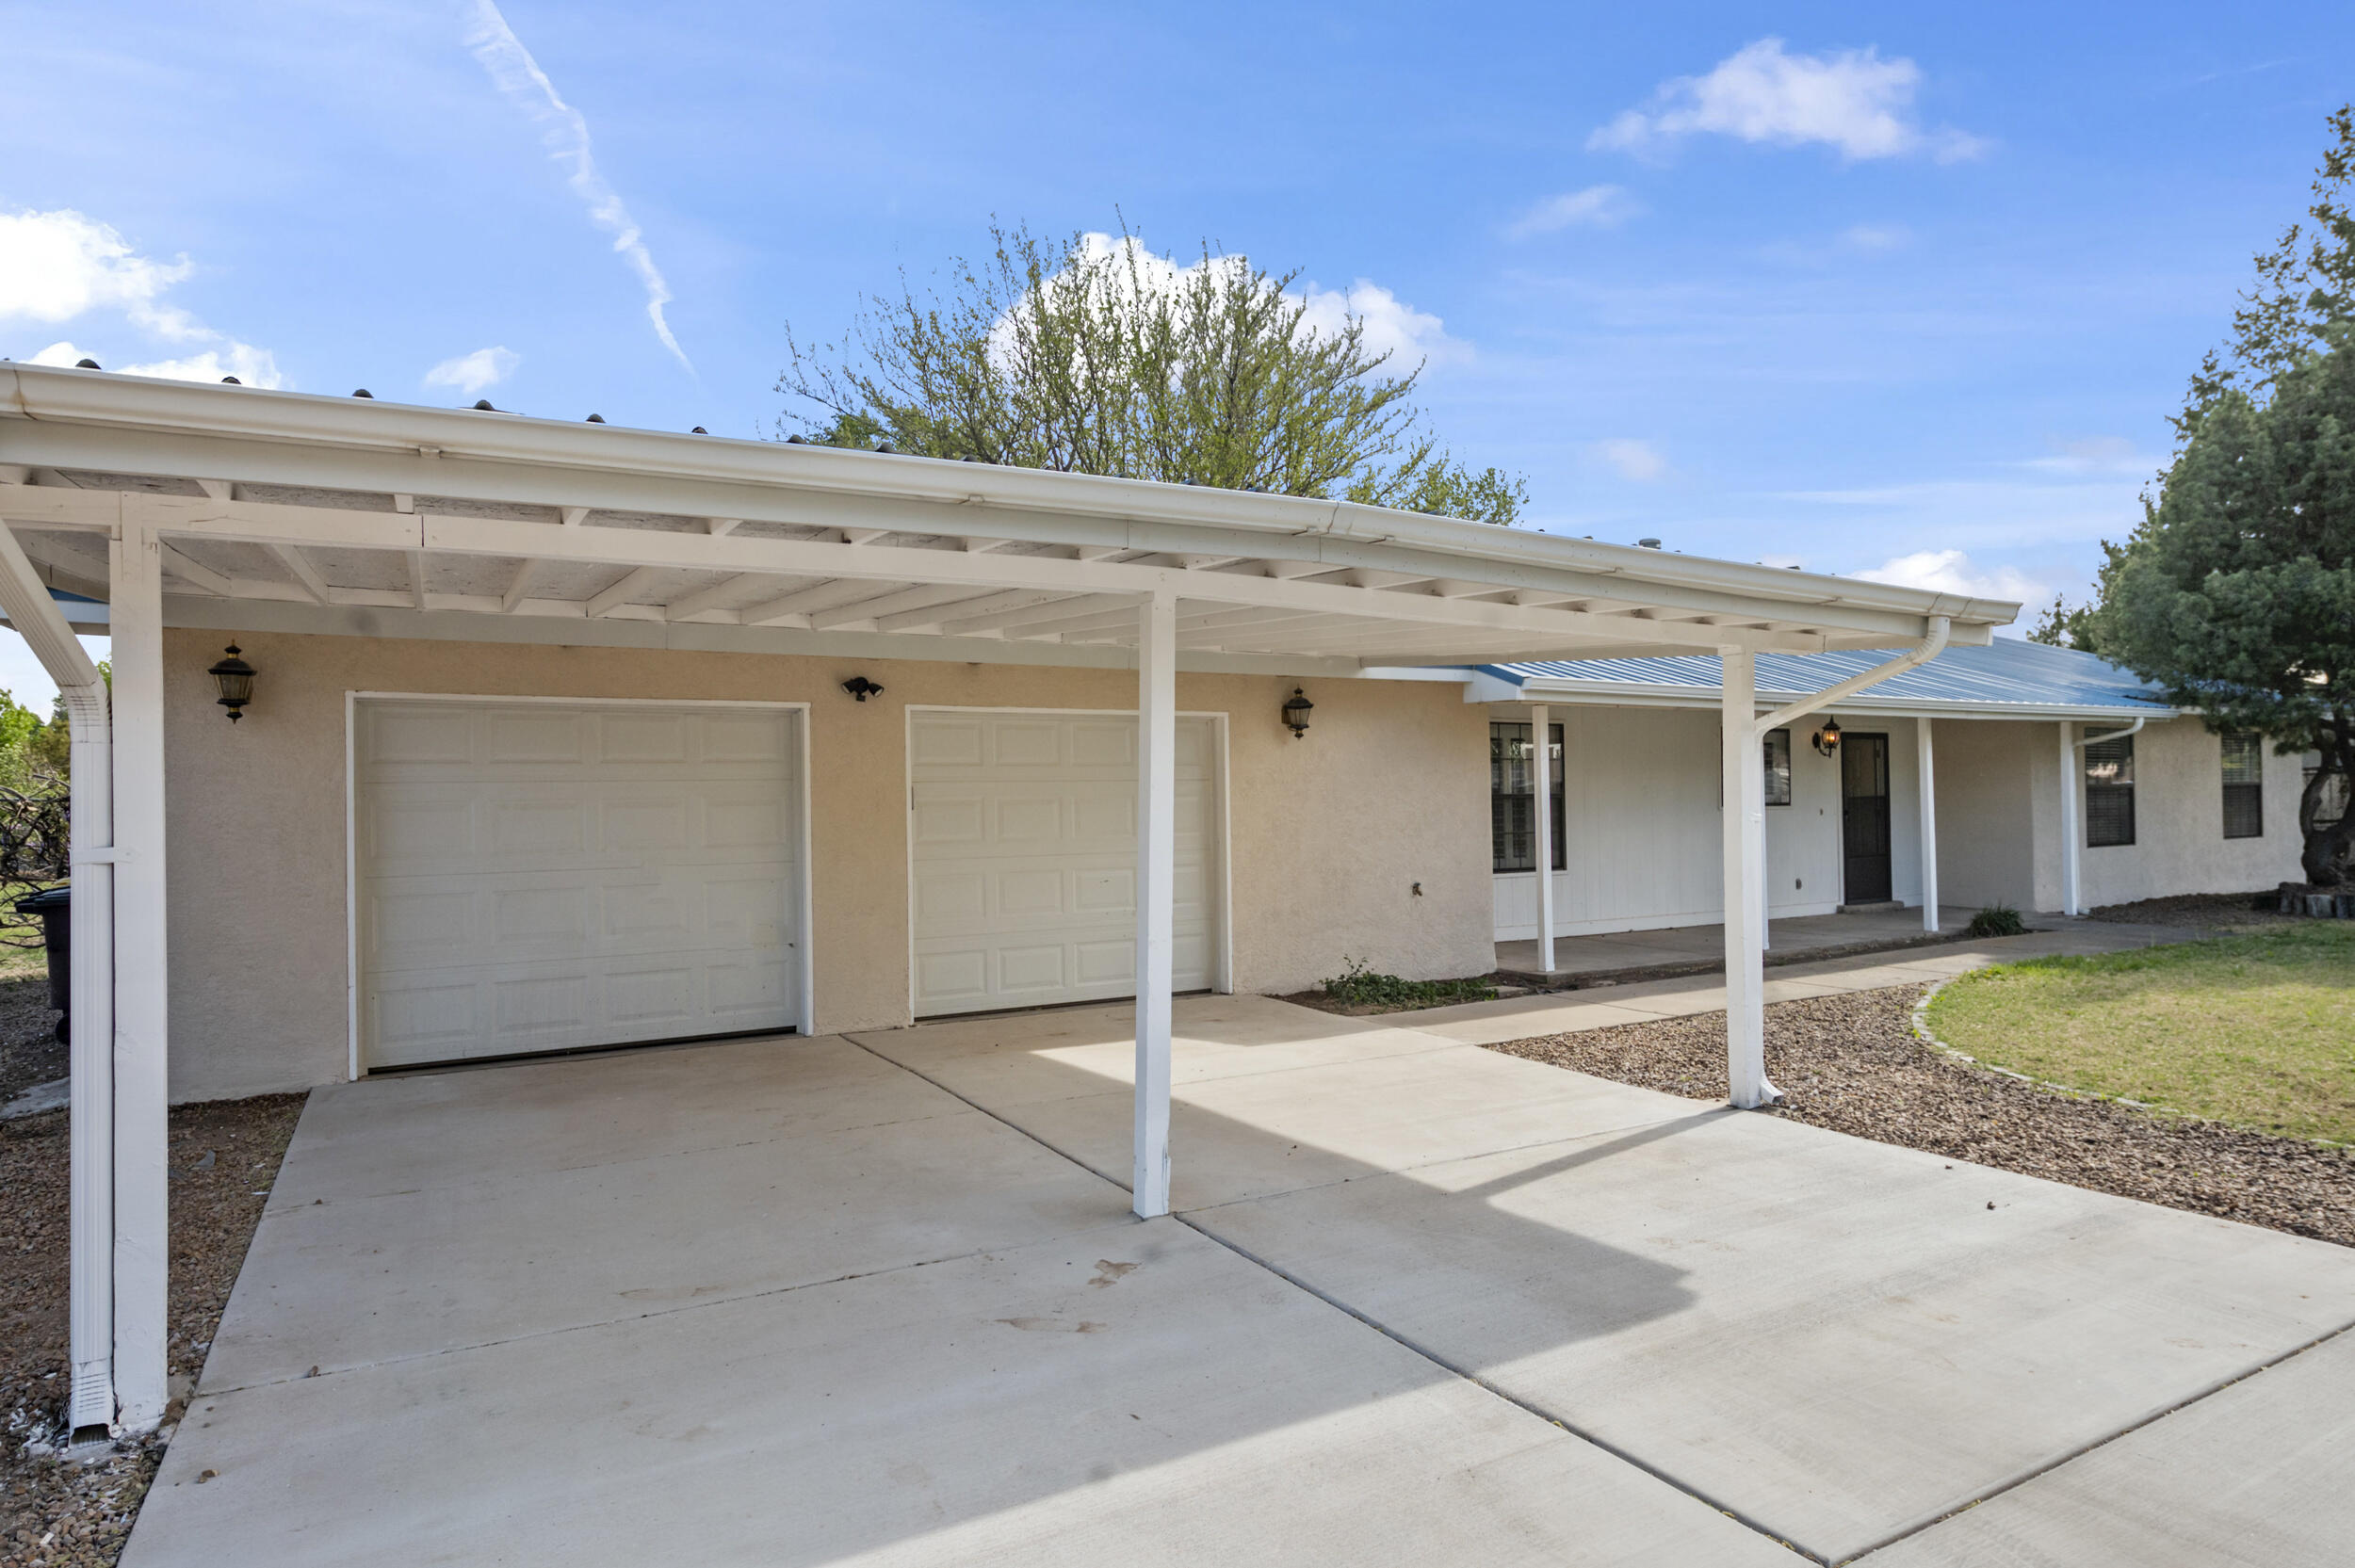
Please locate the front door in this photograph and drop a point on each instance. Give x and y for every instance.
(1864, 816)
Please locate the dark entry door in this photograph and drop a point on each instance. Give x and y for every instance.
(1864, 816)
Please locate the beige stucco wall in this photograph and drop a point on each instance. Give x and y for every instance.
(1986, 811)
(1329, 835)
(1999, 818)
(2179, 842)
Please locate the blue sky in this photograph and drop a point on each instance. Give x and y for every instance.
(1908, 295)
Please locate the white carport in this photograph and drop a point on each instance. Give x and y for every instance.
(236, 508)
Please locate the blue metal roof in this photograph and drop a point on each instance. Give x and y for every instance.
(2007, 675)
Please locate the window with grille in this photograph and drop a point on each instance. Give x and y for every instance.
(2244, 786)
(1513, 798)
(2110, 792)
(1777, 767)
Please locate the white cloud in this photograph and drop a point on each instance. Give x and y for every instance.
(1392, 326)
(2113, 455)
(565, 134)
(1631, 458)
(1951, 572)
(61, 266)
(1854, 101)
(1597, 206)
(471, 373)
(1388, 325)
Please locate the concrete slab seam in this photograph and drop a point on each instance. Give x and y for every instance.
(2046, 1468)
(1441, 1363)
(1737, 1515)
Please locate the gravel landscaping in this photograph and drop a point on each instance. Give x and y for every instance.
(1853, 1063)
(224, 1156)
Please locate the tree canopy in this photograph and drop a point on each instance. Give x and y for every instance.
(1100, 356)
(2237, 595)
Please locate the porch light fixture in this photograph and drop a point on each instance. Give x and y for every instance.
(861, 687)
(1296, 714)
(236, 679)
(1828, 738)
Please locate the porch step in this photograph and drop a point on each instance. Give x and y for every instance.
(1882, 906)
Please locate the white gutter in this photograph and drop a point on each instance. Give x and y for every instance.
(2134, 728)
(1921, 654)
(36, 615)
(41, 393)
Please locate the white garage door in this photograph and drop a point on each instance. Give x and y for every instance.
(551, 876)
(1024, 846)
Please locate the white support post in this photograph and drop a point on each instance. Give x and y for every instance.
(142, 1202)
(1541, 780)
(1745, 823)
(1925, 775)
(1157, 867)
(91, 1119)
(2072, 836)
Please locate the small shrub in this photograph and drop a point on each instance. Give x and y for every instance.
(1998, 920)
(1359, 986)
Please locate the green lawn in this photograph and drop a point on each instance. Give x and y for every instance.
(2257, 1029)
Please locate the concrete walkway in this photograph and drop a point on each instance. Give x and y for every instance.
(1599, 1006)
(878, 1301)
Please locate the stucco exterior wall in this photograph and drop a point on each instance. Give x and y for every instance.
(1987, 844)
(2179, 842)
(1329, 835)
(1999, 802)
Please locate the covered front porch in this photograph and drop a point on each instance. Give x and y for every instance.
(1699, 949)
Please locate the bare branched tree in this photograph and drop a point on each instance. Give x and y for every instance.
(1102, 356)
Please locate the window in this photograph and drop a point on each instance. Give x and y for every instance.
(2110, 792)
(1777, 767)
(2244, 785)
(2332, 806)
(1512, 801)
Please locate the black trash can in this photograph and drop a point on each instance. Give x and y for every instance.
(55, 909)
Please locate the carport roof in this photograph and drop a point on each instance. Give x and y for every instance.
(2009, 678)
(298, 512)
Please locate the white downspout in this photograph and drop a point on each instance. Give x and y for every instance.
(90, 1139)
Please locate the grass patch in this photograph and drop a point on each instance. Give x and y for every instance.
(2257, 1029)
(1359, 987)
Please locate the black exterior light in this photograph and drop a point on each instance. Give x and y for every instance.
(1828, 738)
(236, 679)
(861, 687)
(1296, 708)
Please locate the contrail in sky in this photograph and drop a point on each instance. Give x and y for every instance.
(565, 134)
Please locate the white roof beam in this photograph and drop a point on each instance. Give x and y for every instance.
(295, 561)
(624, 590)
(714, 596)
(967, 610)
(417, 578)
(927, 596)
(526, 570)
(718, 527)
(197, 573)
(1061, 608)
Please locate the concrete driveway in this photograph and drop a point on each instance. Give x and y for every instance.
(878, 1300)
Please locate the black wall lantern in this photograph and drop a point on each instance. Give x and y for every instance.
(1828, 738)
(236, 679)
(861, 687)
(1296, 714)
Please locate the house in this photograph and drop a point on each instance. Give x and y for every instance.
(2054, 782)
(544, 736)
